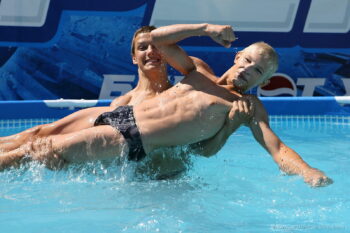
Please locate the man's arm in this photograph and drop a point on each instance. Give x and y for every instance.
(287, 159)
(165, 39)
(240, 113)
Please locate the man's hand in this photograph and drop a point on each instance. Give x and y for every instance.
(316, 178)
(242, 110)
(222, 34)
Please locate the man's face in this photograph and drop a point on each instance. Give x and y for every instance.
(251, 67)
(146, 56)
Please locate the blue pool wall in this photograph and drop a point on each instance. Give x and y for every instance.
(274, 105)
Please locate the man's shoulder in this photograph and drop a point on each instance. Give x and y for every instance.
(201, 65)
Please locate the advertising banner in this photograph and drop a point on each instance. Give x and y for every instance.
(52, 49)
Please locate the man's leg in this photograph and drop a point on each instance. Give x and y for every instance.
(11, 159)
(96, 143)
(74, 122)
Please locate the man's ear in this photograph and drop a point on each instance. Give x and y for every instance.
(238, 55)
(134, 61)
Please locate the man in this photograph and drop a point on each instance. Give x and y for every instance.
(200, 111)
(153, 79)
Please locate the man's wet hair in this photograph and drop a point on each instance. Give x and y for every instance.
(143, 29)
(271, 54)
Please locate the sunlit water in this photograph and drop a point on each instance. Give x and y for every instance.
(238, 190)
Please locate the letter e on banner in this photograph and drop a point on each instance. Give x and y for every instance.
(346, 83)
(115, 85)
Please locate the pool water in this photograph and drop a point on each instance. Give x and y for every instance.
(238, 190)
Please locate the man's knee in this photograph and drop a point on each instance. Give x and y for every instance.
(41, 150)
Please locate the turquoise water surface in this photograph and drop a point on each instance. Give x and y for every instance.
(238, 190)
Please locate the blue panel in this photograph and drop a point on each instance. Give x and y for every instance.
(274, 106)
(36, 109)
(304, 106)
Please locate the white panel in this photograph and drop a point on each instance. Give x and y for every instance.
(342, 99)
(243, 15)
(70, 103)
(328, 16)
(23, 12)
